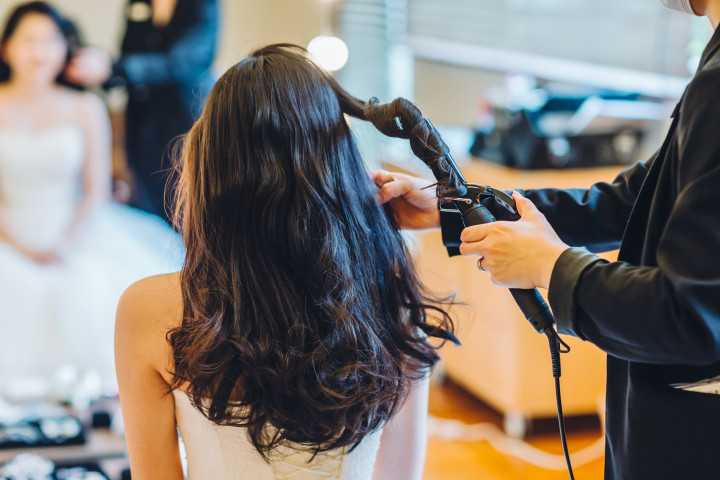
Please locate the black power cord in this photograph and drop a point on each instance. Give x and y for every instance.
(555, 343)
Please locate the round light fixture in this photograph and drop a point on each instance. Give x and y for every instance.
(329, 52)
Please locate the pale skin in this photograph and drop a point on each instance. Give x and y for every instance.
(92, 66)
(143, 359)
(32, 100)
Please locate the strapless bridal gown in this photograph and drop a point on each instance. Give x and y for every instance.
(64, 313)
(220, 452)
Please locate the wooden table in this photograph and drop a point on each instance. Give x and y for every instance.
(101, 445)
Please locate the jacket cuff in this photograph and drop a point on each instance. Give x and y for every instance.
(564, 282)
(118, 77)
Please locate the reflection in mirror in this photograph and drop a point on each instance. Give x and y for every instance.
(66, 251)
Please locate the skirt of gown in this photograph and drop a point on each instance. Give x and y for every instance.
(64, 313)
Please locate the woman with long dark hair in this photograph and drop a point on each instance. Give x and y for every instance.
(296, 339)
(66, 252)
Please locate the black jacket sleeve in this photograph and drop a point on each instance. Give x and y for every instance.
(594, 218)
(190, 55)
(668, 313)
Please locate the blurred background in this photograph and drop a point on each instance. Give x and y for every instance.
(448, 57)
(527, 93)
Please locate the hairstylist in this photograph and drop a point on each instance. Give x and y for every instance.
(165, 65)
(655, 311)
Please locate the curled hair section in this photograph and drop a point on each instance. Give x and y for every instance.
(402, 119)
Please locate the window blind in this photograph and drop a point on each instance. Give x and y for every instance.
(372, 29)
(634, 34)
(369, 28)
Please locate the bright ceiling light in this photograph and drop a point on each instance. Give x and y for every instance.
(329, 52)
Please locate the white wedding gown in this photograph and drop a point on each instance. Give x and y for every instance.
(221, 452)
(64, 313)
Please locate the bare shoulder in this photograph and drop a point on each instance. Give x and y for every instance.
(147, 310)
(153, 302)
(91, 102)
(6, 99)
(88, 106)
(4, 93)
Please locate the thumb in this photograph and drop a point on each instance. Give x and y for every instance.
(523, 205)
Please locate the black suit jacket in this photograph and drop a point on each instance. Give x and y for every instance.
(167, 73)
(656, 311)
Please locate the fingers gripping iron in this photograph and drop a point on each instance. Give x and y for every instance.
(482, 204)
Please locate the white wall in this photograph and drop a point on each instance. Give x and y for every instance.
(246, 24)
(452, 95)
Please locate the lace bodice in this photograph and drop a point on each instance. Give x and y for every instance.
(40, 181)
(40, 167)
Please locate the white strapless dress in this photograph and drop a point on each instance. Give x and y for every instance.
(64, 313)
(220, 452)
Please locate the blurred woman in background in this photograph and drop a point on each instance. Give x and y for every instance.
(66, 251)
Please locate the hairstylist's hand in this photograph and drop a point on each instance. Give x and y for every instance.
(89, 66)
(518, 254)
(412, 199)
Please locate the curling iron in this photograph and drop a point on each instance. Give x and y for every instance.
(476, 204)
(479, 204)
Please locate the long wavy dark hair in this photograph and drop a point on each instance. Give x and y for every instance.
(68, 29)
(301, 303)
